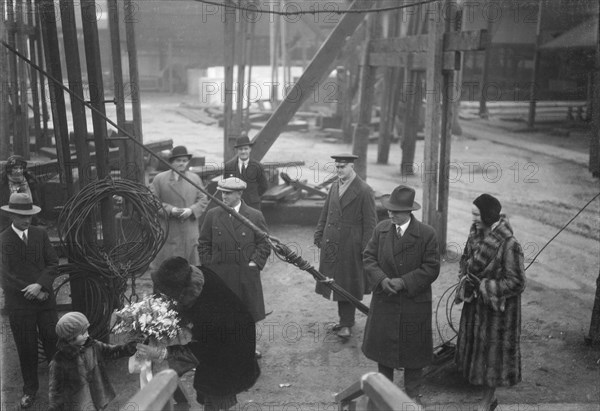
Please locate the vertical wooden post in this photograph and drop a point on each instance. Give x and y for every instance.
(594, 165)
(345, 95)
(48, 32)
(35, 97)
(249, 54)
(388, 95)
(67, 11)
(229, 49)
(433, 115)
(40, 54)
(536, 67)
(14, 78)
(4, 85)
(136, 168)
(94, 71)
(412, 117)
(485, 74)
(23, 141)
(360, 140)
(241, 72)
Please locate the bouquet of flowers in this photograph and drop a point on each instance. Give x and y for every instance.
(153, 317)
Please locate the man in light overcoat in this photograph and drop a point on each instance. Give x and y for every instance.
(183, 204)
(344, 228)
(401, 261)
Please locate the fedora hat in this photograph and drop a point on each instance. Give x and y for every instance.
(401, 199)
(20, 203)
(179, 151)
(243, 141)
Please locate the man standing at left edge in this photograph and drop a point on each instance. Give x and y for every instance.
(343, 231)
(183, 204)
(29, 267)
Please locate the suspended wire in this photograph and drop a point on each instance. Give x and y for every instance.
(313, 12)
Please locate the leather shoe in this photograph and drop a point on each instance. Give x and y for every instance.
(344, 332)
(27, 400)
(257, 354)
(336, 327)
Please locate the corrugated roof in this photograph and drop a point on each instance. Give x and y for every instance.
(584, 35)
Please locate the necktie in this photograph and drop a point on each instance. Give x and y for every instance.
(243, 169)
(24, 238)
(399, 231)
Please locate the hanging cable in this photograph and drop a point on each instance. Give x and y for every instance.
(314, 12)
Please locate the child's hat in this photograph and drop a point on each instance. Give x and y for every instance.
(71, 325)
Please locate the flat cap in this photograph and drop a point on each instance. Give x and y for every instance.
(344, 158)
(231, 184)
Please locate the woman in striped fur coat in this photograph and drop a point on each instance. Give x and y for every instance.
(492, 278)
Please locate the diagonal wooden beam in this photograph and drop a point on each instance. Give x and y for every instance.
(318, 68)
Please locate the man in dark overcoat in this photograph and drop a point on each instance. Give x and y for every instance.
(401, 261)
(233, 250)
(28, 268)
(183, 204)
(344, 228)
(248, 170)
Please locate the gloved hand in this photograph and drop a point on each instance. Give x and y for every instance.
(151, 352)
(185, 213)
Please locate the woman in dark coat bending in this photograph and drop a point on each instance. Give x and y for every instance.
(223, 332)
(492, 278)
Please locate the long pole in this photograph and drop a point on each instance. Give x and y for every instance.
(4, 84)
(536, 67)
(283, 251)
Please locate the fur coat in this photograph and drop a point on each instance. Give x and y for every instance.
(492, 280)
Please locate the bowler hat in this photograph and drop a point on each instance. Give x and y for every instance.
(20, 203)
(71, 325)
(179, 151)
(401, 199)
(344, 158)
(243, 141)
(231, 184)
(172, 276)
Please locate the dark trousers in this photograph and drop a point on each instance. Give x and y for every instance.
(347, 313)
(27, 326)
(412, 378)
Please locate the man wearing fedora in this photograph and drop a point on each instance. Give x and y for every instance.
(344, 228)
(233, 250)
(29, 266)
(401, 261)
(183, 204)
(251, 171)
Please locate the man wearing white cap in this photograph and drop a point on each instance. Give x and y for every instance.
(28, 268)
(233, 250)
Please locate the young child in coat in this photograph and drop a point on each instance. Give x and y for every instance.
(78, 380)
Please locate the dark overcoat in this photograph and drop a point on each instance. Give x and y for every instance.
(23, 265)
(224, 337)
(183, 234)
(344, 228)
(254, 177)
(227, 246)
(488, 348)
(398, 328)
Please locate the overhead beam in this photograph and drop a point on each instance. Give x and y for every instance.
(318, 68)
